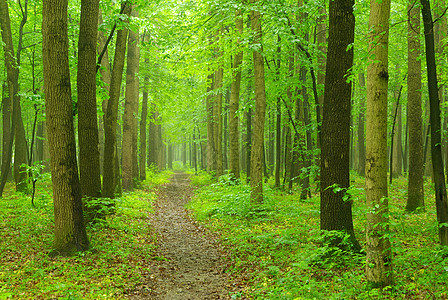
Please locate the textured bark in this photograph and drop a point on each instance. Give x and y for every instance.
(129, 153)
(378, 248)
(414, 118)
(336, 212)
(256, 160)
(111, 115)
(234, 146)
(322, 46)
(70, 233)
(89, 156)
(436, 139)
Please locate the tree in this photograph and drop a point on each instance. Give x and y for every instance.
(361, 123)
(110, 123)
(89, 156)
(415, 175)
(17, 129)
(234, 146)
(378, 249)
(336, 209)
(129, 152)
(436, 139)
(70, 233)
(256, 160)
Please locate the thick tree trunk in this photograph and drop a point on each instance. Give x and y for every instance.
(336, 211)
(70, 233)
(89, 156)
(436, 139)
(111, 115)
(414, 116)
(256, 160)
(379, 256)
(129, 153)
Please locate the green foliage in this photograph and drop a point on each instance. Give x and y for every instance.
(121, 247)
(281, 253)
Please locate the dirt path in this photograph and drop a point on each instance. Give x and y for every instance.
(191, 265)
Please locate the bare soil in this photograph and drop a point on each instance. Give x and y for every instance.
(190, 263)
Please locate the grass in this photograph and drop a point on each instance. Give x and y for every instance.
(277, 244)
(121, 246)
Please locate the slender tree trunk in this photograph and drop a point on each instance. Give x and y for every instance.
(111, 115)
(129, 153)
(379, 256)
(361, 128)
(248, 143)
(70, 233)
(6, 126)
(211, 151)
(217, 107)
(436, 140)
(143, 117)
(336, 211)
(234, 150)
(105, 72)
(89, 157)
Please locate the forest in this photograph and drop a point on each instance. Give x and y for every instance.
(229, 149)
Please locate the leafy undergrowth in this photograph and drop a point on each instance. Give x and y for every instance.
(277, 244)
(114, 265)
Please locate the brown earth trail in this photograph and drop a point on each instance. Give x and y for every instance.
(191, 264)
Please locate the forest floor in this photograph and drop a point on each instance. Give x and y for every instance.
(190, 261)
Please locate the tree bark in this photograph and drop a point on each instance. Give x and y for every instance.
(256, 161)
(129, 153)
(336, 210)
(436, 139)
(70, 233)
(89, 156)
(234, 150)
(211, 151)
(414, 117)
(378, 248)
(111, 115)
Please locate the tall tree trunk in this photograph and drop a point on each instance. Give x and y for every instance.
(143, 117)
(278, 126)
(153, 145)
(217, 107)
(336, 211)
(6, 126)
(89, 156)
(105, 72)
(225, 142)
(70, 232)
(129, 153)
(379, 256)
(211, 151)
(397, 151)
(436, 140)
(361, 123)
(248, 143)
(256, 161)
(111, 115)
(234, 150)
(414, 118)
